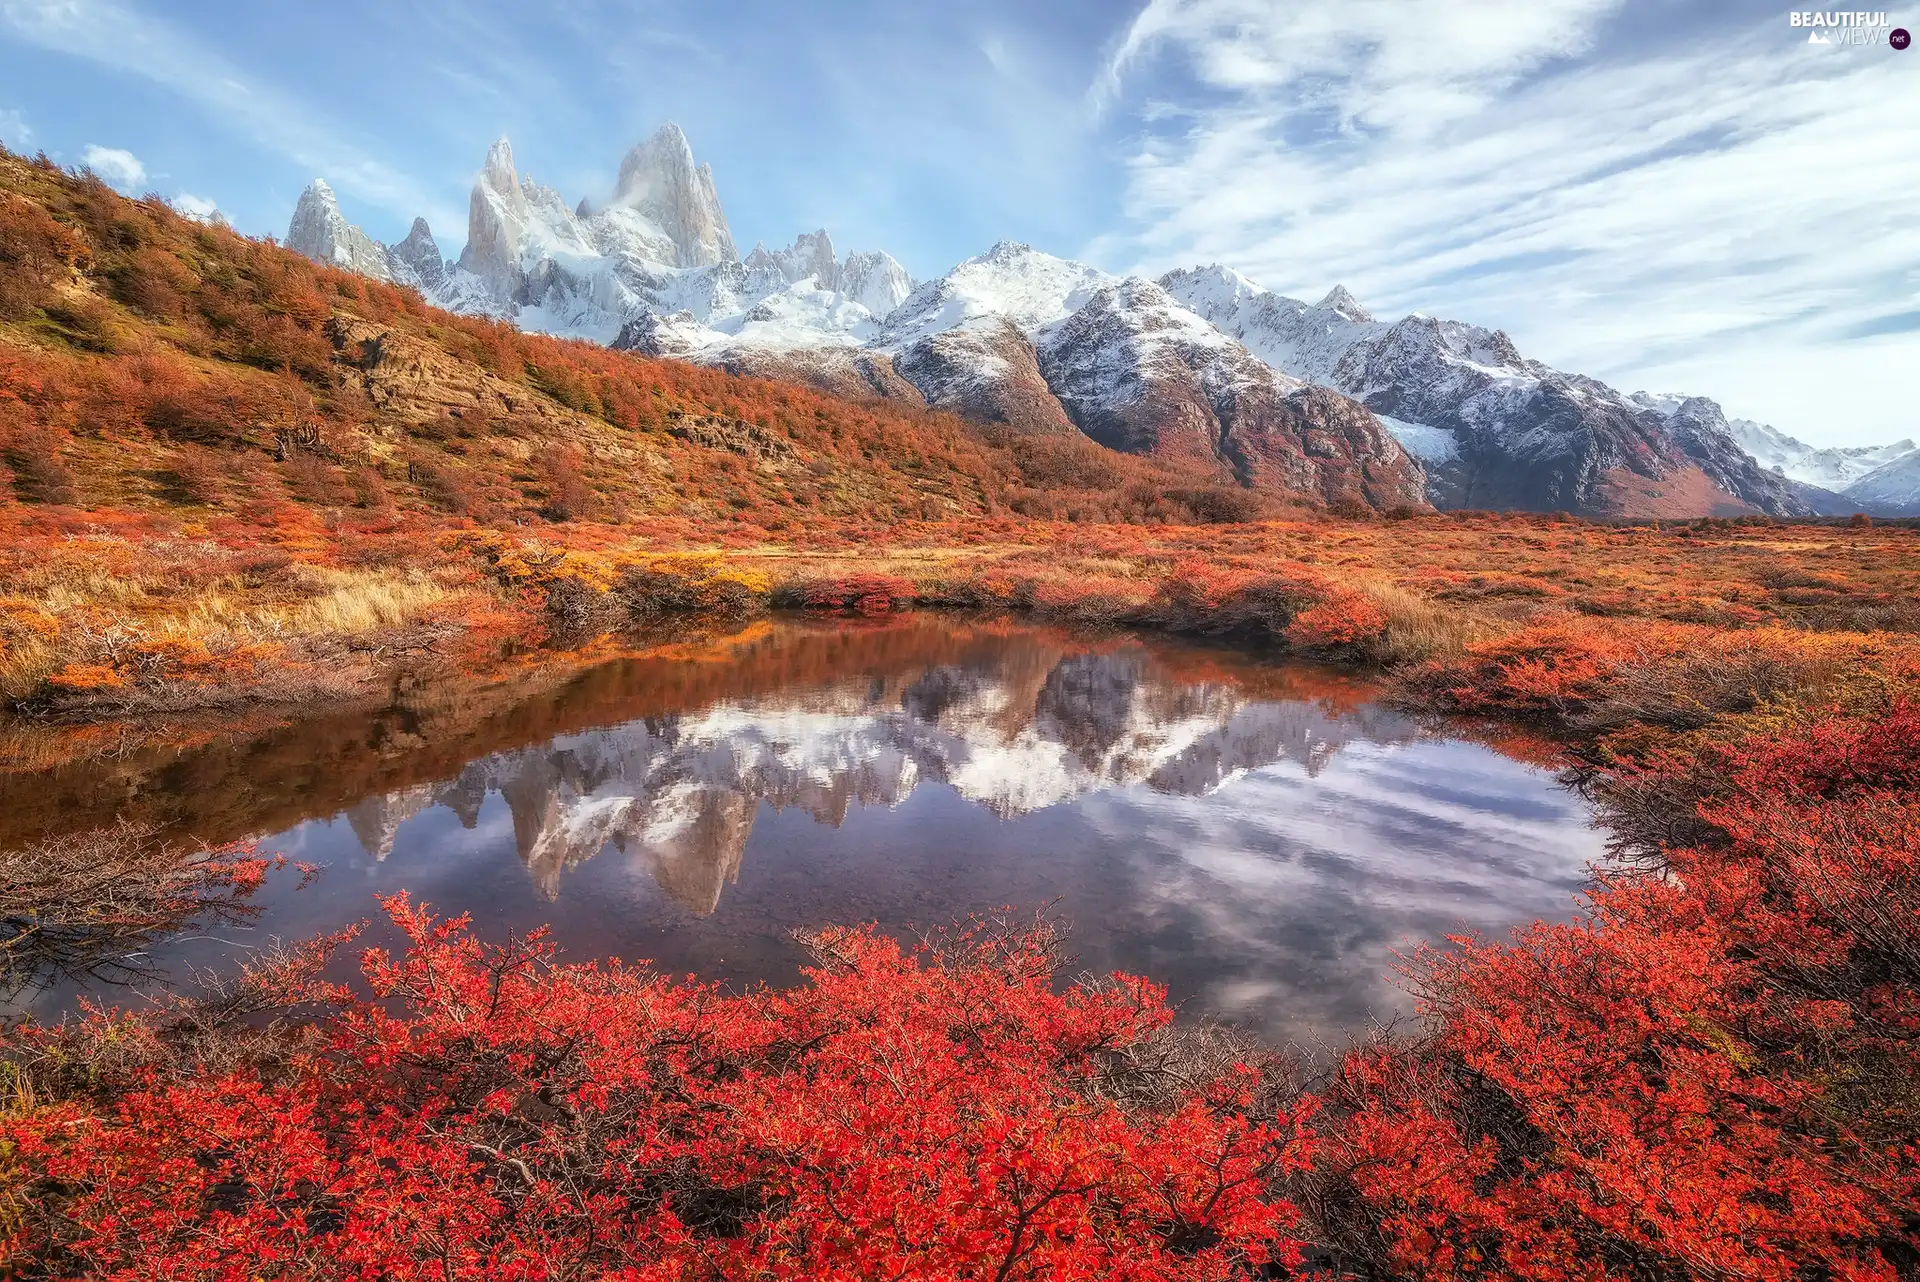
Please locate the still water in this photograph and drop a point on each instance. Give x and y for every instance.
(1260, 837)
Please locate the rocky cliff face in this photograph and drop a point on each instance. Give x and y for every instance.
(1141, 373)
(988, 372)
(416, 260)
(659, 180)
(1494, 428)
(321, 232)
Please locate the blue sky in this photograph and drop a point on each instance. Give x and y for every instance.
(1680, 195)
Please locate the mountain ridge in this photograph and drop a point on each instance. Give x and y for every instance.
(1450, 412)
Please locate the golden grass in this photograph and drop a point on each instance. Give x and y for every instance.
(1419, 628)
(98, 614)
(361, 603)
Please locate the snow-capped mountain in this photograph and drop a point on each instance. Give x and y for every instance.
(1493, 428)
(658, 248)
(321, 232)
(1202, 367)
(1892, 489)
(1830, 468)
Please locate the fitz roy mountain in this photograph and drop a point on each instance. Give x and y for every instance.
(1318, 403)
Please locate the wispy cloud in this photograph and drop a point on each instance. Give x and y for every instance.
(128, 40)
(1641, 210)
(14, 131)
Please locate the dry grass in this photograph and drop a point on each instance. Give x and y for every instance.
(361, 602)
(1419, 628)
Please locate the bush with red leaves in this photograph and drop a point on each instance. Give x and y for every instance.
(1713, 1076)
(494, 1113)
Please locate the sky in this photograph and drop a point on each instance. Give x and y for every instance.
(1675, 195)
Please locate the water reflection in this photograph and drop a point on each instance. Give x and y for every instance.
(1259, 837)
(680, 793)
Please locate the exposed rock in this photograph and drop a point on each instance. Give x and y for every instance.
(659, 179)
(1506, 431)
(416, 260)
(496, 218)
(321, 232)
(847, 372)
(1139, 373)
(810, 257)
(875, 281)
(988, 372)
(734, 435)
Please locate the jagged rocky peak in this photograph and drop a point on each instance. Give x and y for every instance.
(499, 174)
(1339, 300)
(659, 180)
(876, 281)
(419, 256)
(321, 232)
(810, 256)
(496, 219)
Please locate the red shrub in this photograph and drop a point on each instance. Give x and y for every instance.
(1711, 1077)
(860, 593)
(495, 1114)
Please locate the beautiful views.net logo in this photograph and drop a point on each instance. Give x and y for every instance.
(1849, 27)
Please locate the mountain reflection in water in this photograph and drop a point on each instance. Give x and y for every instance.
(1259, 837)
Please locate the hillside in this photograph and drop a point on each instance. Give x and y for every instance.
(157, 365)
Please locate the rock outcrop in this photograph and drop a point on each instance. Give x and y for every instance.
(659, 180)
(321, 232)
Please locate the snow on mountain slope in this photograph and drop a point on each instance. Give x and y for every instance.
(1892, 489)
(876, 281)
(1494, 428)
(1834, 468)
(1011, 281)
(1045, 344)
(1138, 372)
(1434, 445)
(1306, 342)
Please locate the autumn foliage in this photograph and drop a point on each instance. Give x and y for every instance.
(490, 1113)
(228, 475)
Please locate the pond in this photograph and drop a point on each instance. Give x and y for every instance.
(1261, 837)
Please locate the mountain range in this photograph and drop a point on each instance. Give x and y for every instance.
(1321, 401)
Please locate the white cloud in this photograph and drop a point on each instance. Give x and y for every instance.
(199, 208)
(13, 130)
(1710, 215)
(120, 168)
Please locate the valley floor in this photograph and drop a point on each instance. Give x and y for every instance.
(106, 615)
(238, 486)
(1709, 1075)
